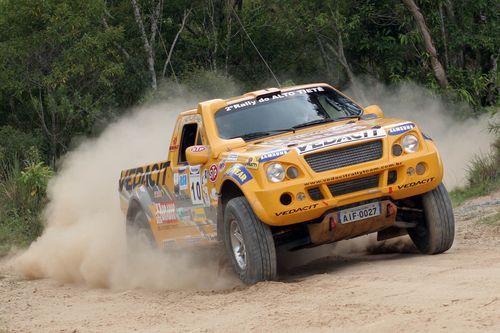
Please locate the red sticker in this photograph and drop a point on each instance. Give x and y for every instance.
(165, 213)
(213, 172)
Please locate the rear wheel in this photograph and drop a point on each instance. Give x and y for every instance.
(249, 243)
(139, 233)
(435, 234)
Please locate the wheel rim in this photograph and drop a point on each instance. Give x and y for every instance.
(238, 245)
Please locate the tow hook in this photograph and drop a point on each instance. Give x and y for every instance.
(332, 223)
(391, 210)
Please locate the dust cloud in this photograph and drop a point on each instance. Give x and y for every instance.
(458, 140)
(84, 239)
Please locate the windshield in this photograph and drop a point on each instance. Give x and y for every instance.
(286, 111)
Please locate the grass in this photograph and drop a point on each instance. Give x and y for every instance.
(458, 196)
(16, 233)
(483, 176)
(492, 220)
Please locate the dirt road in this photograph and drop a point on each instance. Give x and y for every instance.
(457, 291)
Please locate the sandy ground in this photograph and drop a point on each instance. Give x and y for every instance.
(457, 291)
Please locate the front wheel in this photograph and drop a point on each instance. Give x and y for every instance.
(435, 234)
(249, 243)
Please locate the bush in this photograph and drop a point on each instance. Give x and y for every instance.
(18, 145)
(22, 198)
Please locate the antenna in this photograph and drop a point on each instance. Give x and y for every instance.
(256, 49)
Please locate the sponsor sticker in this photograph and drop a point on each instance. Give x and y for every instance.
(165, 213)
(417, 183)
(174, 146)
(338, 140)
(233, 157)
(239, 173)
(183, 182)
(318, 135)
(296, 210)
(197, 149)
(253, 102)
(194, 169)
(273, 155)
(149, 176)
(252, 163)
(204, 178)
(400, 129)
(222, 165)
(353, 174)
(213, 173)
(195, 187)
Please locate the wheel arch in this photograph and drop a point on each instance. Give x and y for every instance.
(228, 190)
(137, 203)
(133, 206)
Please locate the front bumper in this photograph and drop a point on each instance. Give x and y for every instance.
(330, 229)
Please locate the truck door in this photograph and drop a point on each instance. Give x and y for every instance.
(192, 202)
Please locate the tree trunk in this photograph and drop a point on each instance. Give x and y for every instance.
(148, 48)
(324, 57)
(339, 53)
(437, 67)
(443, 35)
(172, 46)
(51, 133)
(229, 21)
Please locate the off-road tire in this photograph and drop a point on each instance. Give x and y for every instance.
(138, 231)
(258, 240)
(435, 234)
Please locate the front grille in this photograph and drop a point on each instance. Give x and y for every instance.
(355, 185)
(342, 157)
(315, 193)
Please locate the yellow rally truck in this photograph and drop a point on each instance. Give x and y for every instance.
(289, 168)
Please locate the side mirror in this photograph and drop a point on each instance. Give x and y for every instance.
(196, 155)
(374, 110)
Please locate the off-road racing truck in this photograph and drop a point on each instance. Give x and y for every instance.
(289, 168)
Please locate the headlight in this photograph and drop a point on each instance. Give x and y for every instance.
(275, 172)
(410, 143)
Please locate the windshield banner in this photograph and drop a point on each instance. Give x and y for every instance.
(338, 140)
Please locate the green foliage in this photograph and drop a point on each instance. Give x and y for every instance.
(68, 66)
(35, 177)
(57, 68)
(18, 145)
(22, 198)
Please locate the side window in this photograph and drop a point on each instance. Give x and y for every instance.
(188, 139)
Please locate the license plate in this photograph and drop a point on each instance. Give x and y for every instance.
(359, 213)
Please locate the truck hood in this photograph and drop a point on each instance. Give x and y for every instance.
(319, 137)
